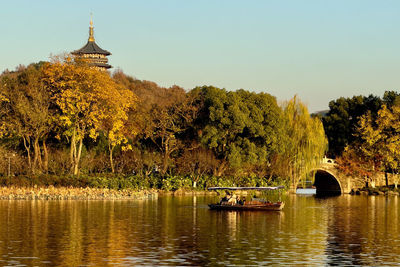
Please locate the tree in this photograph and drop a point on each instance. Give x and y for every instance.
(305, 142)
(3, 112)
(381, 138)
(27, 102)
(87, 101)
(239, 127)
(196, 163)
(353, 162)
(163, 115)
(341, 122)
(116, 107)
(391, 98)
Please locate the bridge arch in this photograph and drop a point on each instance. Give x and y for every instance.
(326, 183)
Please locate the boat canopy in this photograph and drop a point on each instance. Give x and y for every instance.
(247, 188)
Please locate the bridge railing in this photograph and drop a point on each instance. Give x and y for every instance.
(326, 160)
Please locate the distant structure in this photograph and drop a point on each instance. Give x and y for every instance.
(92, 53)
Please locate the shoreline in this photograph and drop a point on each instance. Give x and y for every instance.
(88, 193)
(72, 193)
(92, 193)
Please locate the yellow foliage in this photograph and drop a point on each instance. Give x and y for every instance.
(89, 100)
(381, 136)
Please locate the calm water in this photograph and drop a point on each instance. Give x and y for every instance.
(345, 230)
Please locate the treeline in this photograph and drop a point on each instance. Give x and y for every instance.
(63, 118)
(364, 134)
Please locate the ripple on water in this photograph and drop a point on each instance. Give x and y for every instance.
(172, 231)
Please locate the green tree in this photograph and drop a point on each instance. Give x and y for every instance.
(391, 98)
(239, 127)
(341, 122)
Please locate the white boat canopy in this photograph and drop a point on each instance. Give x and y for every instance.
(247, 188)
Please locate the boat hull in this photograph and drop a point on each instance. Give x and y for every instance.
(257, 207)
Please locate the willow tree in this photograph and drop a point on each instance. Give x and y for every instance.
(305, 143)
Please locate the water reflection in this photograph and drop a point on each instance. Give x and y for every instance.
(353, 230)
(366, 232)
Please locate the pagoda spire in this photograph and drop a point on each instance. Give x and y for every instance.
(92, 53)
(91, 32)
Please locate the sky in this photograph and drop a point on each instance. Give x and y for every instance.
(319, 50)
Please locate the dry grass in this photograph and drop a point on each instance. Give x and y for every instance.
(70, 193)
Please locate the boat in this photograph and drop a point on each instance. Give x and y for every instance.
(252, 205)
(276, 206)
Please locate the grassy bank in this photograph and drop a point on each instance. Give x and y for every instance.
(133, 182)
(111, 186)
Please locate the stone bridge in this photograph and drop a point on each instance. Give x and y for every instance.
(328, 179)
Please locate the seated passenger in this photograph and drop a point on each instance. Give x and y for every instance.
(232, 200)
(240, 201)
(225, 199)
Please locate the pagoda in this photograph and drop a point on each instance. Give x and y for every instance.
(92, 53)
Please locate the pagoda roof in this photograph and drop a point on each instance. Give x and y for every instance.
(91, 48)
(101, 65)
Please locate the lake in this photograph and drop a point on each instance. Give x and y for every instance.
(343, 230)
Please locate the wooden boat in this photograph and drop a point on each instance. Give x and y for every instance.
(267, 206)
(253, 205)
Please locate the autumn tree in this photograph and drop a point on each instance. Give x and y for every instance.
(26, 102)
(87, 101)
(4, 108)
(381, 138)
(115, 124)
(355, 163)
(196, 162)
(162, 115)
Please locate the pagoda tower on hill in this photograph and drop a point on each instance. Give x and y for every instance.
(92, 53)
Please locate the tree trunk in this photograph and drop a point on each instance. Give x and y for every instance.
(219, 170)
(110, 149)
(37, 159)
(46, 158)
(294, 180)
(27, 146)
(73, 150)
(386, 179)
(165, 156)
(78, 157)
(165, 164)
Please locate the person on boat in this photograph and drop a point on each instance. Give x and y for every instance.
(232, 200)
(240, 200)
(225, 199)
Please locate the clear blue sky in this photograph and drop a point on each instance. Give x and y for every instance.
(320, 50)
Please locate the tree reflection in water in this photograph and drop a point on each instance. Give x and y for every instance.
(353, 230)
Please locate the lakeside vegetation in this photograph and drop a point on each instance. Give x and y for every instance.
(364, 135)
(62, 122)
